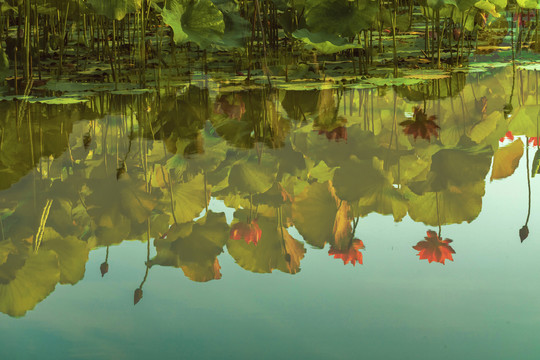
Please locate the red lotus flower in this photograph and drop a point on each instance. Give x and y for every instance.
(351, 255)
(251, 233)
(233, 111)
(339, 133)
(523, 18)
(421, 125)
(433, 248)
(533, 141)
(508, 136)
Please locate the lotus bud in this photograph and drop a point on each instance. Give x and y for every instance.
(523, 232)
(104, 268)
(137, 296)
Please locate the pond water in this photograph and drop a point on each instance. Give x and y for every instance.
(216, 221)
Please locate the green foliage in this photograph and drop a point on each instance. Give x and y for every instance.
(199, 21)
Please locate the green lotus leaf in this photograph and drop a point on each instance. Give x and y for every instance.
(529, 4)
(534, 170)
(455, 168)
(199, 21)
(525, 121)
(340, 17)
(35, 278)
(506, 160)
(72, 255)
(322, 41)
(452, 206)
(314, 212)
(253, 174)
(276, 249)
(114, 9)
(357, 179)
(189, 199)
(194, 248)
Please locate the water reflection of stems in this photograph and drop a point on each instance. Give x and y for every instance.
(41, 228)
(138, 294)
(524, 231)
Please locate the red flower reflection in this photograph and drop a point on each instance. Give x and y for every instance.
(508, 136)
(337, 134)
(433, 248)
(421, 125)
(523, 18)
(251, 233)
(234, 111)
(351, 255)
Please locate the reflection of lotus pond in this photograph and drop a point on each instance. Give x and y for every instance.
(375, 179)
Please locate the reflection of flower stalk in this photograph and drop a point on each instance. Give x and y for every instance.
(355, 221)
(2, 229)
(263, 32)
(283, 245)
(205, 193)
(508, 107)
(41, 228)
(394, 129)
(438, 214)
(524, 231)
(138, 294)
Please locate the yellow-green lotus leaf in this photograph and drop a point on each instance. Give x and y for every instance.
(506, 160)
(33, 282)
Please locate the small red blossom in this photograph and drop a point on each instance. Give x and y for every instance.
(433, 248)
(250, 233)
(337, 134)
(351, 255)
(233, 110)
(508, 136)
(421, 125)
(533, 141)
(523, 18)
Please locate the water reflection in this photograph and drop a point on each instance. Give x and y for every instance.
(146, 167)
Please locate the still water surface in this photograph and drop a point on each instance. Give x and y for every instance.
(253, 201)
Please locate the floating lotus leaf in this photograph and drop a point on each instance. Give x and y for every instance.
(323, 42)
